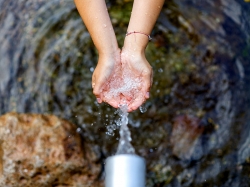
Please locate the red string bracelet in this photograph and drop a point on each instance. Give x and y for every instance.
(134, 32)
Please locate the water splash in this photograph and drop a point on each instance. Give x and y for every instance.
(143, 109)
(124, 146)
(110, 129)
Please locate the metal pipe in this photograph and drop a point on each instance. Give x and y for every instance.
(125, 171)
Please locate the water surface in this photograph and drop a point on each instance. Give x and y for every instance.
(196, 129)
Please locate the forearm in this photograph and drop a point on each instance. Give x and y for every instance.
(96, 18)
(143, 18)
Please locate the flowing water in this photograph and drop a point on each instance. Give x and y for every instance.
(194, 129)
(124, 146)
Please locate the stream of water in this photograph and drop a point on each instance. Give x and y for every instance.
(124, 146)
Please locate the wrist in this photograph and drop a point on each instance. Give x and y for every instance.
(109, 52)
(136, 42)
(109, 57)
(107, 45)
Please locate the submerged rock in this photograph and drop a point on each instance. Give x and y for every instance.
(185, 135)
(42, 150)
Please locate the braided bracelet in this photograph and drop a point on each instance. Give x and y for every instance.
(134, 32)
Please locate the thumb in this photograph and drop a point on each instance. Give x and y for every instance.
(147, 82)
(97, 84)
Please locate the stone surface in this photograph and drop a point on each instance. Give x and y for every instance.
(185, 135)
(43, 150)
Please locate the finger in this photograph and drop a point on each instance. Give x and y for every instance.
(151, 78)
(147, 95)
(125, 98)
(97, 91)
(137, 102)
(99, 100)
(113, 103)
(147, 82)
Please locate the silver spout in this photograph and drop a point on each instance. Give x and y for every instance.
(125, 171)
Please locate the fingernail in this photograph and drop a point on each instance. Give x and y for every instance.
(147, 95)
(98, 100)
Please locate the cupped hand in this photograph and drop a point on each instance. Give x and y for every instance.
(124, 78)
(136, 69)
(102, 75)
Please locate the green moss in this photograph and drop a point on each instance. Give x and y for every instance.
(120, 14)
(159, 176)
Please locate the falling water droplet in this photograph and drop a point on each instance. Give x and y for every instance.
(143, 109)
(160, 70)
(78, 130)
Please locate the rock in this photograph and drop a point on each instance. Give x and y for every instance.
(185, 134)
(43, 150)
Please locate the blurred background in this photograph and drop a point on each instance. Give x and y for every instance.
(195, 128)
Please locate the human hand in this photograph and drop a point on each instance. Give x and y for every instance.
(138, 72)
(129, 81)
(102, 75)
(123, 78)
